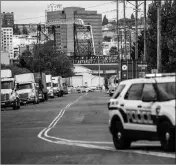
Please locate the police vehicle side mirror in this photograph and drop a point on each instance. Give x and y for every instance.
(147, 98)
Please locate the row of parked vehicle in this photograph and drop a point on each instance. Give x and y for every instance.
(29, 88)
(85, 89)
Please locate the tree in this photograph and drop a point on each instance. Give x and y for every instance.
(132, 20)
(140, 47)
(113, 50)
(168, 31)
(16, 30)
(15, 69)
(45, 58)
(25, 31)
(105, 21)
(132, 17)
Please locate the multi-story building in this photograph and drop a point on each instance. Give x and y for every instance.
(24, 40)
(54, 7)
(20, 43)
(65, 32)
(7, 19)
(7, 41)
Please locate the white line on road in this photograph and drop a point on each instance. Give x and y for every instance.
(88, 144)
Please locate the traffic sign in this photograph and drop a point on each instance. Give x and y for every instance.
(124, 67)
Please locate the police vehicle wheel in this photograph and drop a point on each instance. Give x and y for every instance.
(119, 139)
(166, 136)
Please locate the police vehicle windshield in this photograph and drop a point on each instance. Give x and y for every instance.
(118, 91)
(166, 91)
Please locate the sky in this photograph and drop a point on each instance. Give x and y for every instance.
(34, 11)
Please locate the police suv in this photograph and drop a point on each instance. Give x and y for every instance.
(144, 109)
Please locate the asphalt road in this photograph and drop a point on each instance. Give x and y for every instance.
(69, 130)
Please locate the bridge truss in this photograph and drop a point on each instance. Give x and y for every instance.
(83, 40)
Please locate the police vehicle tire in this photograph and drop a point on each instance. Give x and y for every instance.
(119, 139)
(164, 130)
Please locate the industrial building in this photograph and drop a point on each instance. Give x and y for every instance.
(65, 32)
(84, 77)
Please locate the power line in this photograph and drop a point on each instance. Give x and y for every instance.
(110, 11)
(77, 10)
(29, 18)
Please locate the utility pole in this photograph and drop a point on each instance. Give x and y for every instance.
(145, 27)
(124, 26)
(130, 44)
(117, 27)
(99, 62)
(136, 39)
(159, 36)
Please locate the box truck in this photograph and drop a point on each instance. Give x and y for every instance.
(49, 85)
(57, 85)
(27, 88)
(9, 96)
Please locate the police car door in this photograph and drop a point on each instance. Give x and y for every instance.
(148, 119)
(132, 104)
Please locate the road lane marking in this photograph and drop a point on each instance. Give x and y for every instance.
(167, 155)
(88, 144)
(56, 118)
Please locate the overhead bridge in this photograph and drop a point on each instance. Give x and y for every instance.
(94, 60)
(108, 65)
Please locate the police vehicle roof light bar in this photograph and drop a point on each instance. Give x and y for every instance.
(159, 75)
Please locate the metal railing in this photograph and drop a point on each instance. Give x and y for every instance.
(94, 59)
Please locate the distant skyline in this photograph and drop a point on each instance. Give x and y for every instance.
(34, 11)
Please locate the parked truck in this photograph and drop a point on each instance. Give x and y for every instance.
(9, 96)
(57, 85)
(40, 79)
(27, 88)
(49, 85)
